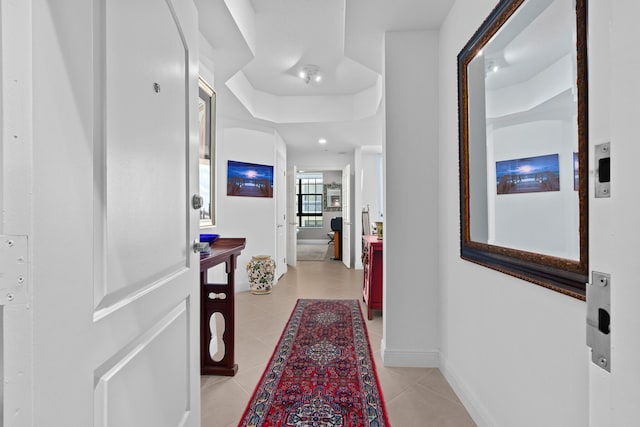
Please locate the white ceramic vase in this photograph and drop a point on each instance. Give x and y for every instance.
(261, 271)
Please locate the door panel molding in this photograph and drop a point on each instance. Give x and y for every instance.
(121, 388)
(141, 100)
(116, 300)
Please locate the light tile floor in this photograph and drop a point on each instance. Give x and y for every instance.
(415, 397)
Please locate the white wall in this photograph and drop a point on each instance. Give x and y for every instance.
(371, 183)
(206, 65)
(410, 293)
(250, 217)
(515, 352)
(314, 161)
(614, 66)
(367, 193)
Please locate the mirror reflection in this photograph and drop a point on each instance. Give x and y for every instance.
(206, 121)
(523, 103)
(523, 139)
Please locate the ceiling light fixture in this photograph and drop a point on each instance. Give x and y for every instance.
(491, 67)
(322, 141)
(310, 72)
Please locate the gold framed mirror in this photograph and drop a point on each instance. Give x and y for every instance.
(332, 197)
(522, 100)
(206, 157)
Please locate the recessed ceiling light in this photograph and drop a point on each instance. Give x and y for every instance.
(318, 78)
(302, 75)
(322, 141)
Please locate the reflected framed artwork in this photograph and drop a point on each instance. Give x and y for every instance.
(528, 175)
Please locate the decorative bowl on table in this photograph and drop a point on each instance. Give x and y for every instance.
(206, 241)
(208, 238)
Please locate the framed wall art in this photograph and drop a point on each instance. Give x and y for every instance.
(249, 179)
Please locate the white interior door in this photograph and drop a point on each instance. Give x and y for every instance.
(115, 300)
(281, 215)
(292, 224)
(346, 216)
(16, 314)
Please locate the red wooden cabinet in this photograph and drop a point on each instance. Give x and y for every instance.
(372, 262)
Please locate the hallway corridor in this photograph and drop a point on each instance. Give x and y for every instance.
(415, 397)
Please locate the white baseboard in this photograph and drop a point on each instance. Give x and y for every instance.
(469, 399)
(409, 359)
(433, 359)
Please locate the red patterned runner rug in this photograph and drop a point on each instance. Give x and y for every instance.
(321, 373)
